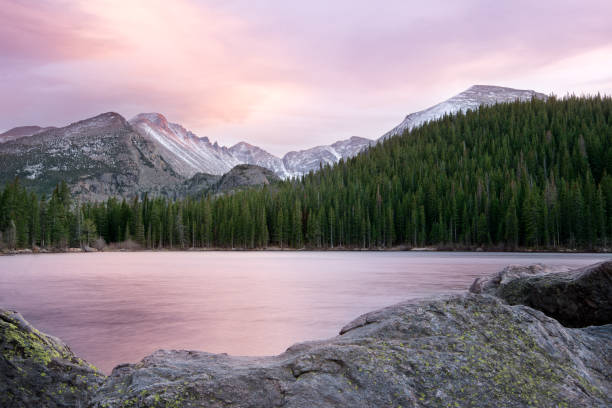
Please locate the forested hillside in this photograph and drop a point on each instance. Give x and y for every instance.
(520, 175)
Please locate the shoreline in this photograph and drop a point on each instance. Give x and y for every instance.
(28, 251)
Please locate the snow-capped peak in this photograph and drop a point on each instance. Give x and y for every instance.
(302, 162)
(250, 154)
(187, 153)
(155, 118)
(471, 98)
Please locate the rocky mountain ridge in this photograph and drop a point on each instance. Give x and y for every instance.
(187, 153)
(21, 131)
(472, 98)
(97, 157)
(158, 155)
(239, 177)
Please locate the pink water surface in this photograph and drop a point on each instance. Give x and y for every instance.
(114, 308)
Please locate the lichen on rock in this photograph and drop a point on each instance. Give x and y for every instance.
(37, 370)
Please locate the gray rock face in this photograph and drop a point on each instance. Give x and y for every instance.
(244, 175)
(467, 350)
(21, 131)
(187, 153)
(199, 183)
(576, 298)
(37, 370)
(97, 157)
(240, 177)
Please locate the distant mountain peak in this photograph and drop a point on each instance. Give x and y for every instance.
(187, 153)
(247, 148)
(471, 98)
(302, 162)
(102, 123)
(106, 116)
(244, 145)
(154, 118)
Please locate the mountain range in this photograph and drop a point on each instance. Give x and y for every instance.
(109, 155)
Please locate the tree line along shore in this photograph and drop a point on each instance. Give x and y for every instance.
(531, 175)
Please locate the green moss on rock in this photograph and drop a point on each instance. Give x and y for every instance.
(39, 370)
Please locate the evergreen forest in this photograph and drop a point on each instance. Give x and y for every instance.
(523, 175)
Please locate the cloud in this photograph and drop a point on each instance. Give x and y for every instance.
(286, 75)
(43, 31)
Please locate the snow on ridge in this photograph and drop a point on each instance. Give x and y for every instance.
(250, 154)
(187, 153)
(301, 162)
(190, 154)
(471, 98)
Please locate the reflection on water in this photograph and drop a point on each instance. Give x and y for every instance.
(113, 308)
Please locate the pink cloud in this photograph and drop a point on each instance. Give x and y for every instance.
(285, 75)
(42, 31)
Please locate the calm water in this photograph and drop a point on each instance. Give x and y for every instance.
(113, 308)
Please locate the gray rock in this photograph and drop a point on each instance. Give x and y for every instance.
(576, 298)
(244, 176)
(97, 157)
(37, 370)
(463, 350)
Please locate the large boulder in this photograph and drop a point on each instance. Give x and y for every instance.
(458, 351)
(576, 298)
(37, 370)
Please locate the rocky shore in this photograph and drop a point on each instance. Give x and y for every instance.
(525, 337)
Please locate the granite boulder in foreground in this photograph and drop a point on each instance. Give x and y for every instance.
(576, 298)
(37, 370)
(468, 350)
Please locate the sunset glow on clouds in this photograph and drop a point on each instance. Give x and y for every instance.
(288, 75)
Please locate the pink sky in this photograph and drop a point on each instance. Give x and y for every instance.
(285, 74)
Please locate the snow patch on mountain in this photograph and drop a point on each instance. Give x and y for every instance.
(248, 154)
(299, 163)
(187, 153)
(472, 98)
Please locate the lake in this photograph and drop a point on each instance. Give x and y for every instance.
(116, 307)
